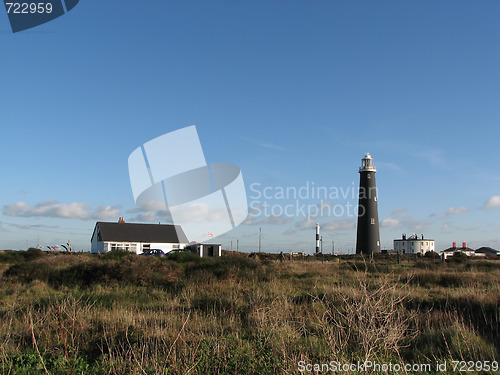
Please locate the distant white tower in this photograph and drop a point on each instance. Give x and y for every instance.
(317, 238)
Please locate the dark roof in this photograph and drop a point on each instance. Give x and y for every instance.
(486, 250)
(132, 232)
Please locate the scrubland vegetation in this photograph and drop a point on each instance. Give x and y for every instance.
(121, 313)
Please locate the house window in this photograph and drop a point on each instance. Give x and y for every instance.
(372, 221)
(123, 247)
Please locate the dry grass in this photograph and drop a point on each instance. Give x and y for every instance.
(235, 316)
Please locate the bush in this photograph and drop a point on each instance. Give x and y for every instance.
(117, 254)
(183, 256)
(27, 272)
(13, 256)
(432, 255)
(222, 267)
(483, 266)
(84, 275)
(134, 270)
(458, 258)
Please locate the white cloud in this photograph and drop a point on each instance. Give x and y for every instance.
(331, 225)
(305, 224)
(411, 224)
(389, 223)
(52, 208)
(276, 220)
(75, 210)
(16, 209)
(339, 225)
(397, 211)
(105, 212)
(147, 216)
(259, 215)
(494, 201)
(457, 210)
(250, 220)
(153, 205)
(198, 213)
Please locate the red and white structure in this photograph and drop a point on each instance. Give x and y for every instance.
(454, 250)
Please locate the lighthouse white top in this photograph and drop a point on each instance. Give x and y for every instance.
(367, 164)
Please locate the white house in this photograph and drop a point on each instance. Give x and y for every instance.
(137, 238)
(482, 252)
(414, 245)
(454, 250)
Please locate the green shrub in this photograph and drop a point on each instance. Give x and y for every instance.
(127, 270)
(183, 256)
(14, 256)
(222, 267)
(117, 254)
(84, 274)
(27, 272)
(482, 266)
(33, 253)
(432, 255)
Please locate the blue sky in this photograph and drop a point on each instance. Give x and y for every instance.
(293, 92)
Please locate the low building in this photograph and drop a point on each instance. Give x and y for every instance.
(414, 245)
(136, 238)
(205, 249)
(456, 251)
(488, 252)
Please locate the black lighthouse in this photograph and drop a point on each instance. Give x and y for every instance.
(368, 238)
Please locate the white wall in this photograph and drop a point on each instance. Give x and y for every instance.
(96, 246)
(166, 247)
(137, 247)
(414, 246)
(204, 250)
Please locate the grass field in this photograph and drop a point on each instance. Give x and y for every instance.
(119, 313)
